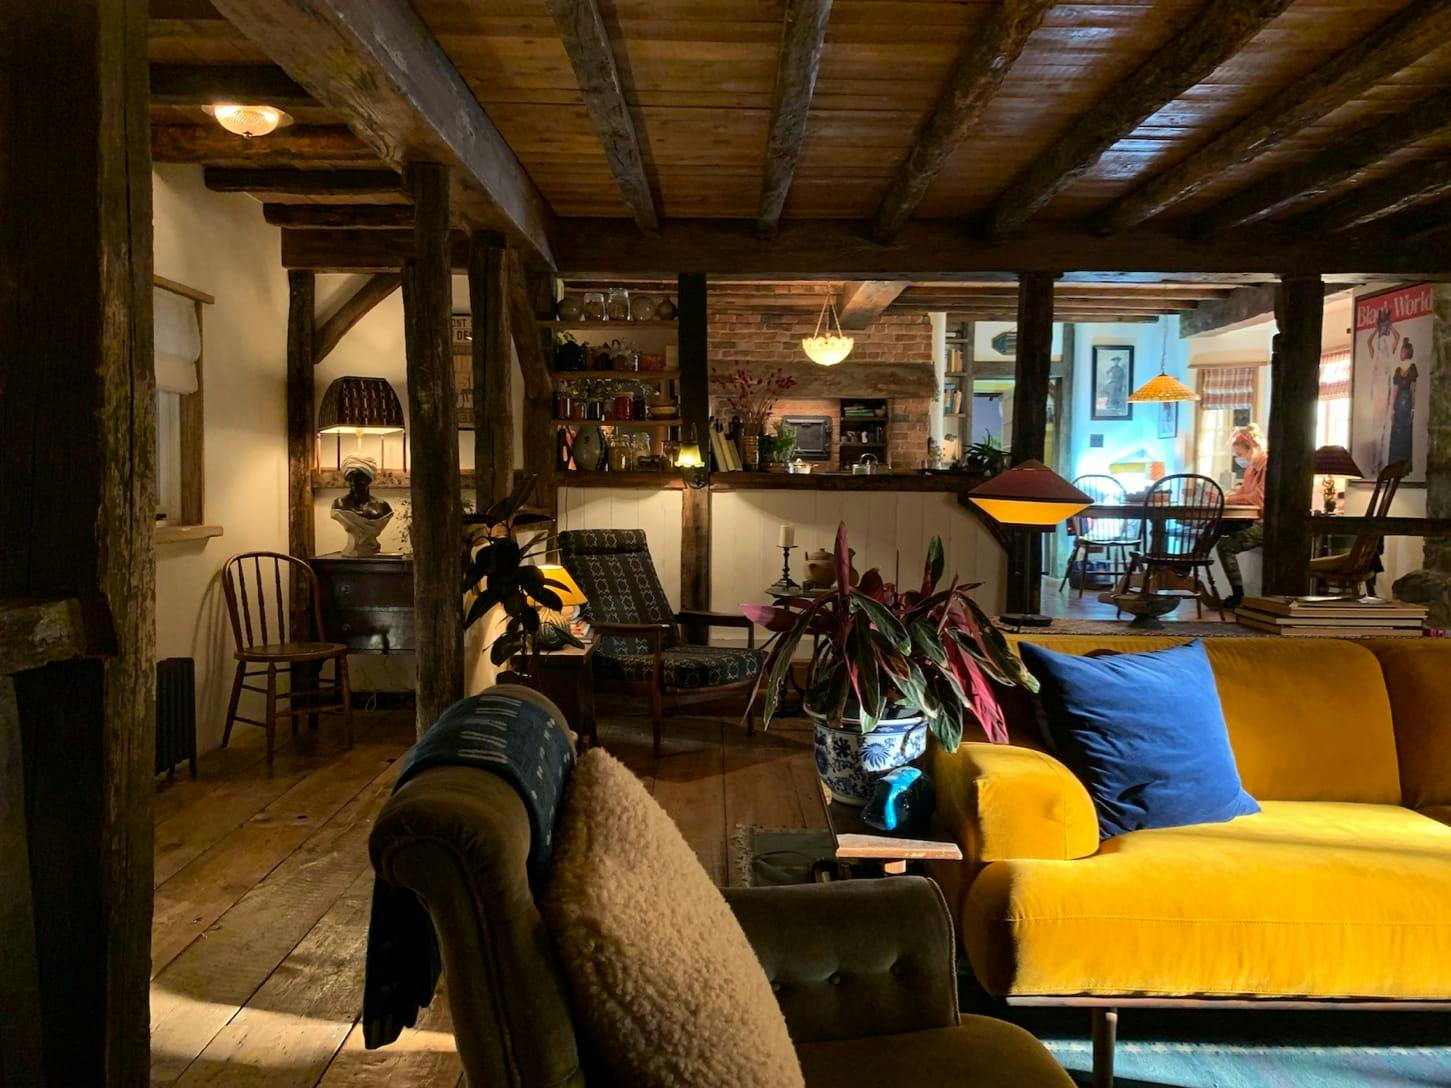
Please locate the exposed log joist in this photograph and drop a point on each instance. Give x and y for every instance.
(1406, 37)
(802, 34)
(923, 251)
(287, 181)
(1243, 305)
(980, 69)
(378, 65)
(1417, 184)
(861, 303)
(339, 216)
(588, 45)
(1297, 184)
(358, 305)
(312, 144)
(205, 84)
(1220, 30)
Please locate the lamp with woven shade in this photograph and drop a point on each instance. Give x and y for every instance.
(361, 406)
(1162, 388)
(1031, 495)
(1332, 462)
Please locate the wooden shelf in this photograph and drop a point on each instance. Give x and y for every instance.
(576, 326)
(617, 375)
(882, 418)
(862, 446)
(660, 423)
(166, 533)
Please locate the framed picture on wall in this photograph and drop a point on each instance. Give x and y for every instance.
(1390, 388)
(1113, 381)
(1169, 419)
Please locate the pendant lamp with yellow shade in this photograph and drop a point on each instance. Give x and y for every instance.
(1162, 388)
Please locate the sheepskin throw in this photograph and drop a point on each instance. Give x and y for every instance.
(663, 977)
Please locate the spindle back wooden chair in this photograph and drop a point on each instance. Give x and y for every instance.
(262, 632)
(1185, 515)
(1113, 537)
(1351, 571)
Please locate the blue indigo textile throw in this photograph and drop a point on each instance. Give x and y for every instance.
(1144, 733)
(507, 735)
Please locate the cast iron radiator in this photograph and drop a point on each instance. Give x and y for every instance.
(175, 714)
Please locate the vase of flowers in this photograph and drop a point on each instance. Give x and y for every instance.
(752, 397)
(894, 665)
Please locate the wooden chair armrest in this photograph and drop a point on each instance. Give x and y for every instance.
(719, 619)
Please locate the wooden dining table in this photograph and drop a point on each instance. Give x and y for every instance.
(1133, 511)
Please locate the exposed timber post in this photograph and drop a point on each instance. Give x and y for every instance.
(1290, 474)
(433, 435)
(301, 441)
(1031, 379)
(77, 412)
(492, 368)
(695, 414)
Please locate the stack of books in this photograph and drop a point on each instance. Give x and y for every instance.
(1332, 617)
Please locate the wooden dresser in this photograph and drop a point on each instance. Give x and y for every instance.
(367, 603)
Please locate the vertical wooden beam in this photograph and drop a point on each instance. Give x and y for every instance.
(1290, 475)
(21, 1050)
(1031, 377)
(433, 434)
(301, 431)
(530, 300)
(192, 426)
(77, 412)
(1063, 463)
(493, 368)
(1438, 452)
(301, 441)
(691, 295)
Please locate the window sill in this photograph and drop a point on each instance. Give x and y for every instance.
(182, 534)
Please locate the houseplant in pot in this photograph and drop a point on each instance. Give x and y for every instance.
(892, 664)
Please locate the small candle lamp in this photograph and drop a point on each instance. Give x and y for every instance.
(786, 540)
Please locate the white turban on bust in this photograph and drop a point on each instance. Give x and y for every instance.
(365, 465)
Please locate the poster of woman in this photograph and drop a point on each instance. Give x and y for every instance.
(1388, 418)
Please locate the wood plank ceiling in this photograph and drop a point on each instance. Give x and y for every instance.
(1199, 119)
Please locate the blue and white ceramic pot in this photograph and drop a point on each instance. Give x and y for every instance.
(850, 761)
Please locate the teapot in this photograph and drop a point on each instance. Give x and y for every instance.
(866, 465)
(821, 568)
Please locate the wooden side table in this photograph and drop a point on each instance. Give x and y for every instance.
(859, 841)
(567, 677)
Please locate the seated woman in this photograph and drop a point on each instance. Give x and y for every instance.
(1252, 454)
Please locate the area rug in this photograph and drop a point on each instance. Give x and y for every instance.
(1162, 1048)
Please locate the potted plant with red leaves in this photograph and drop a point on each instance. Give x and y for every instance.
(892, 664)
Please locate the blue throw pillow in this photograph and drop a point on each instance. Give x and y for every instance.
(1144, 733)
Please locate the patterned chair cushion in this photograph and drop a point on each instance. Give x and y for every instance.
(686, 668)
(614, 570)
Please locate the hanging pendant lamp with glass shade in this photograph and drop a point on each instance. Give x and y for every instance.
(830, 349)
(1162, 388)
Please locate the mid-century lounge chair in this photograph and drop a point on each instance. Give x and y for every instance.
(641, 650)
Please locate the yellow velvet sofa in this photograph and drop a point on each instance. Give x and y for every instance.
(1338, 891)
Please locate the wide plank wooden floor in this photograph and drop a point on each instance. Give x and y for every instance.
(263, 885)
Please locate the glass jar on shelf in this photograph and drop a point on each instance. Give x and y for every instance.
(617, 304)
(593, 308)
(643, 448)
(619, 452)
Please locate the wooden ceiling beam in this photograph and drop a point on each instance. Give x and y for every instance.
(1413, 32)
(289, 181)
(1219, 31)
(587, 43)
(356, 307)
(862, 302)
(376, 63)
(1364, 148)
(979, 71)
(828, 249)
(212, 144)
(339, 216)
(803, 32)
(206, 84)
(1417, 184)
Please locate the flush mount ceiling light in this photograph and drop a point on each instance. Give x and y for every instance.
(248, 121)
(827, 350)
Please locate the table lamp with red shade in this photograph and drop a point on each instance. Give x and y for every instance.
(1332, 462)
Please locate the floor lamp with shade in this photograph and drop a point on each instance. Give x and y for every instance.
(1026, 500)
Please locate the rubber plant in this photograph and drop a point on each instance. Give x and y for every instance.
(495, 570)
(889, 652)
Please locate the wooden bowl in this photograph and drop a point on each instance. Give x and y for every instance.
(1146, 608)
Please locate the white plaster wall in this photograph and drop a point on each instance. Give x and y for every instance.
(218, 243)
(657, 512)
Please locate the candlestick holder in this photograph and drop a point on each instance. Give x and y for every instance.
(785, 584)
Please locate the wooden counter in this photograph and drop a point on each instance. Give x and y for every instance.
(777, 481)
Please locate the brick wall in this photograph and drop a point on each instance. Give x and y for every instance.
(765, 339)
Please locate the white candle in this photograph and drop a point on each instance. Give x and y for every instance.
(788, 535)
